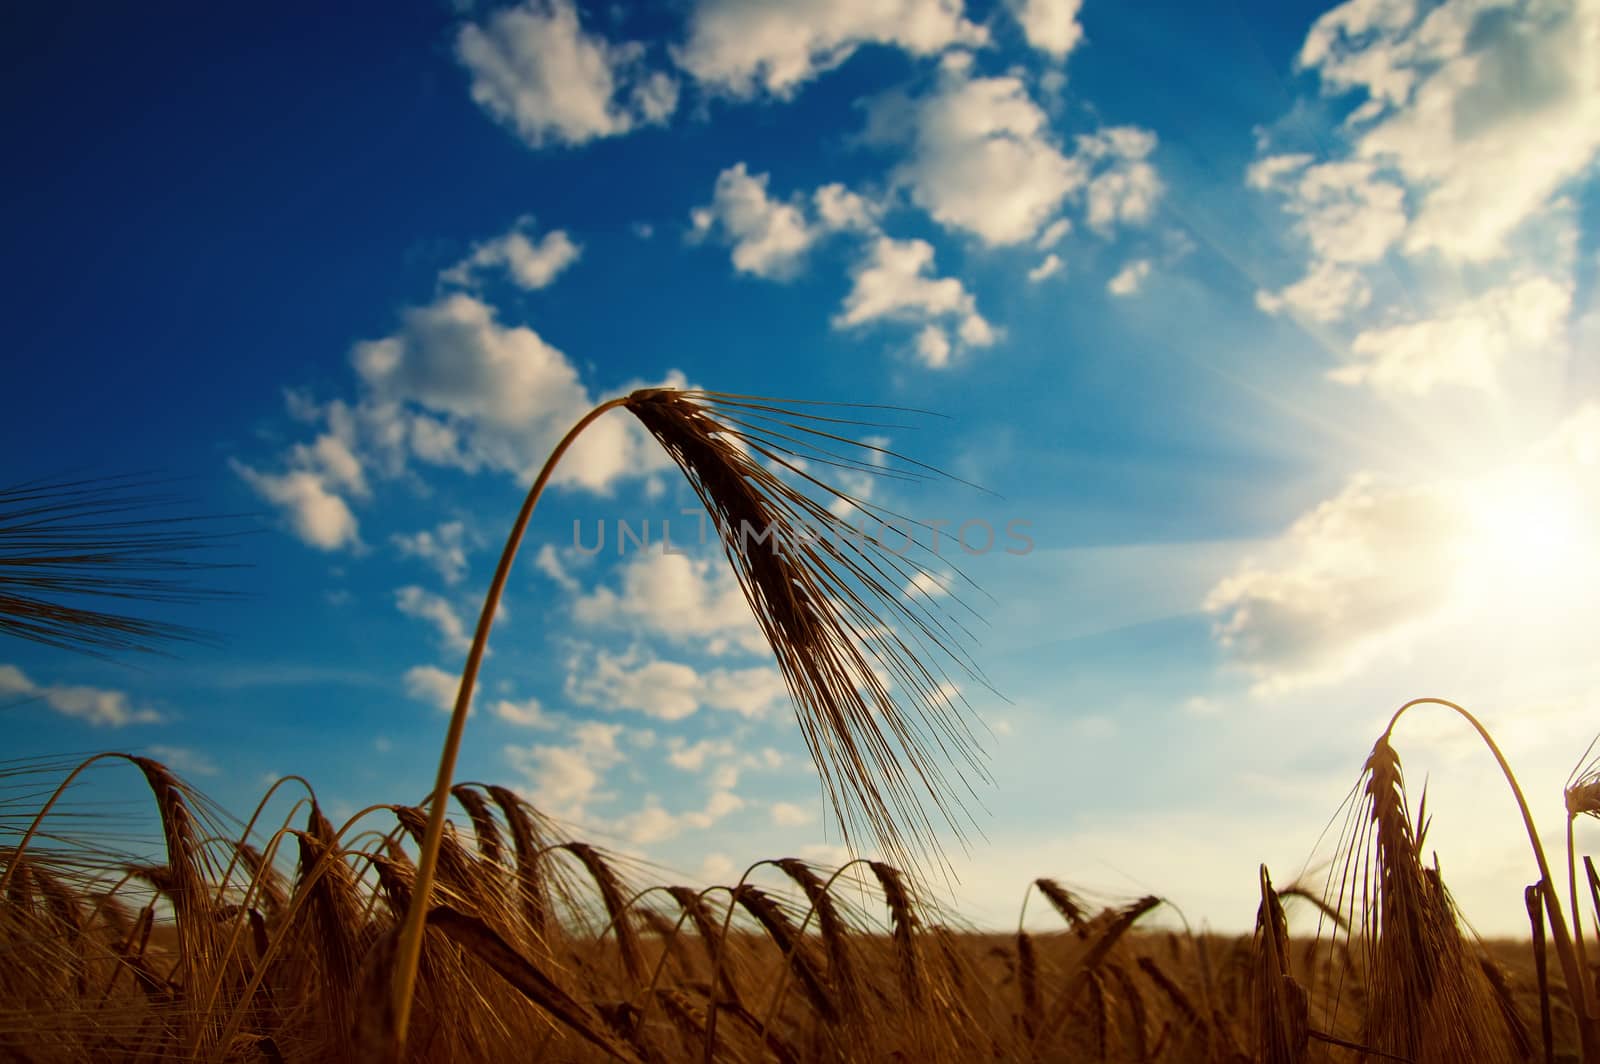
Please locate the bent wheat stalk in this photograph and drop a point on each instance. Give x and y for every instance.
(863, 658)
(1579, 989)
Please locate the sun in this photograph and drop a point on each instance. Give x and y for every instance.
(1532, 527)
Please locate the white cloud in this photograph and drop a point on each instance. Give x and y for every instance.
(527, 713)
(1129, 279)
(1484, 111)
(840, 209)
(331, 458)
(1046, 269)
(1508, 110)
(1053, 234)
(535, 69)
(548, 562)
(1051, 26)
(1329, 292)
(744, 48)
(183, 760)
(669, 690)
(96, 705)
(682, 598)
(495, 396)
(652, 823)
(747, 692)
(1349, 216)
(318, 516)
(892, 281)
(1464, 346)
(790, 815)
(717, 868)
(1347, 211)
(1355, 574)
(451, 387)
(666, 690)
(927, 585)
(983, 159)
(769, 238)
(424, 605)
(1269, 171)
(427, 683)
(444, 548)
(1126, 187)
(530, 264)
(564, 779)
(692, 757)
(933, 348)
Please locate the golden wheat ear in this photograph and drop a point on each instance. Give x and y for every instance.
(861, 642)
(74, 554)
(869, 658)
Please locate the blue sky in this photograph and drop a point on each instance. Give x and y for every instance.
(1277, 324)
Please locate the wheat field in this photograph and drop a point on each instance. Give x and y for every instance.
(254, 941)
(473, 927)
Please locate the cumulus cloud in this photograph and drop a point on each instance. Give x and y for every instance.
(548, 561)
(456, 387)
(1439, 570)
(692, 757)
(530, 264)
(1465, 345)
(652, 823)
(1053, 234)
(1486, 111)
(1051, 26)
(1129, 279)
(1126, 187)
(444, 548)
(675, 596)
(527, 713)
(432, 685)
(790, 815)
(1347, 211)
(317, 515)
(668, 690)
(840, 209)
(536, 70)
(434, 609)
(564, 779)
(183, 760)
(748, 692)
(1474, 116)
(1349, 215)
(894, 281)
(1358, 572)
(743, 48)
(1329, 292)
(1047, 268)
(769, 237)
(982, 158)
(98, 706)
(933, 350)
(891, 279)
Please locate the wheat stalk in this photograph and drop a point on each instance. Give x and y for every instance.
(868, 668)
(67, 545)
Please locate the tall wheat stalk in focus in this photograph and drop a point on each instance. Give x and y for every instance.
(866, 660)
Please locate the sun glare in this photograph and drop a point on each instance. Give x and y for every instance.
(1531, 526)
